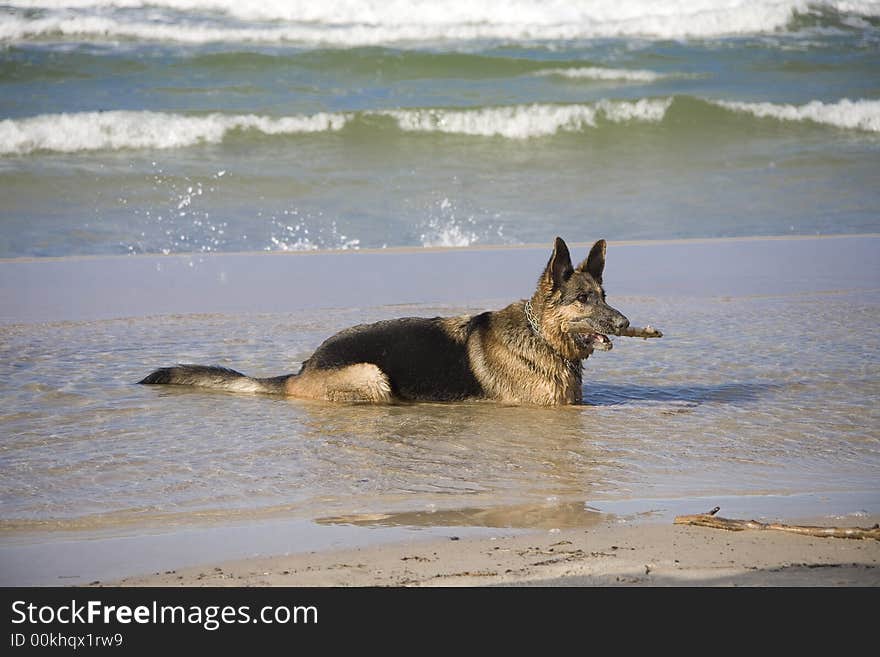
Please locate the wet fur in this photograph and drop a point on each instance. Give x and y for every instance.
(493, 355)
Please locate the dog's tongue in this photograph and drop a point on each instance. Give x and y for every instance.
(595, 341)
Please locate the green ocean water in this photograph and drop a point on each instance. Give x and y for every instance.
(169, 128)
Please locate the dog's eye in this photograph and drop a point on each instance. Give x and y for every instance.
(586, 297)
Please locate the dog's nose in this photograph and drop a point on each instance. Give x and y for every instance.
(622, 323)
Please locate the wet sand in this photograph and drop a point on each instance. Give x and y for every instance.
(93, 288)
(609, 554)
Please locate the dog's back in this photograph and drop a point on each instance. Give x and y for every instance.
(423, 359)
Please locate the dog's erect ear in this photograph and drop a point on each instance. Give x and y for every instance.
(559, 268)
(594, 265)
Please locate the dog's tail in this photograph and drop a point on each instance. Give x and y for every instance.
(218, 378)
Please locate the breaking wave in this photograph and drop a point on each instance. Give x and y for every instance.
(525, 121)
(854, 115)
(89, 131)
(116, 130)
(597, 73)
(374, 22)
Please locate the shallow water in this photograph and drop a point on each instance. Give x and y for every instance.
(767, 394)
(761, 396)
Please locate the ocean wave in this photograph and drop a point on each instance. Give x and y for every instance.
(115, 130)
(374, 22)
(525, 121)
(853, 115)
(89, 131)
(396, 64)
(597, 73)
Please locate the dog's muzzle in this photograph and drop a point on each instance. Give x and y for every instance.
(588, 335)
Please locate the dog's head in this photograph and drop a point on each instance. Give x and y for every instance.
(569, 304)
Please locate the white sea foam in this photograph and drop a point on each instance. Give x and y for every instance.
(621, 111)
(856, 115)
(860, 7)
(596, 73)
(515, 122)
(89, 131)
(370, 22)
(86, 131)
(525, 121)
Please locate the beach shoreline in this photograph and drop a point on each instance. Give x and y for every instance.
(80, 288)
(322, 551)
(439, 249)
(608, 554)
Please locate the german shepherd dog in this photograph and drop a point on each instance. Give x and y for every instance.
(526, 353)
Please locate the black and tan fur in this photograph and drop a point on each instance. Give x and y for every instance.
(498, 355)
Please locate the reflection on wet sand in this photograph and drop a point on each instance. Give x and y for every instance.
(437, 450)
(569, 515)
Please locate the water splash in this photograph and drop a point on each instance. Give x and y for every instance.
(443, 228)
(180, 222)
(293, 231)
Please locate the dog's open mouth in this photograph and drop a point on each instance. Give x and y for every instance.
(595, 341)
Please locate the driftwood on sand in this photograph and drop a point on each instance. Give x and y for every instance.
(711, 520)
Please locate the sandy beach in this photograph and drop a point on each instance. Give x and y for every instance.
(609, 554)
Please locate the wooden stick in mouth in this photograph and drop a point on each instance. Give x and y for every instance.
(629, 332)
(711, 520)
(644, 333)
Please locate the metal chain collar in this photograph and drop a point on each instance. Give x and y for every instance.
(573, 365)
(533, 321)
